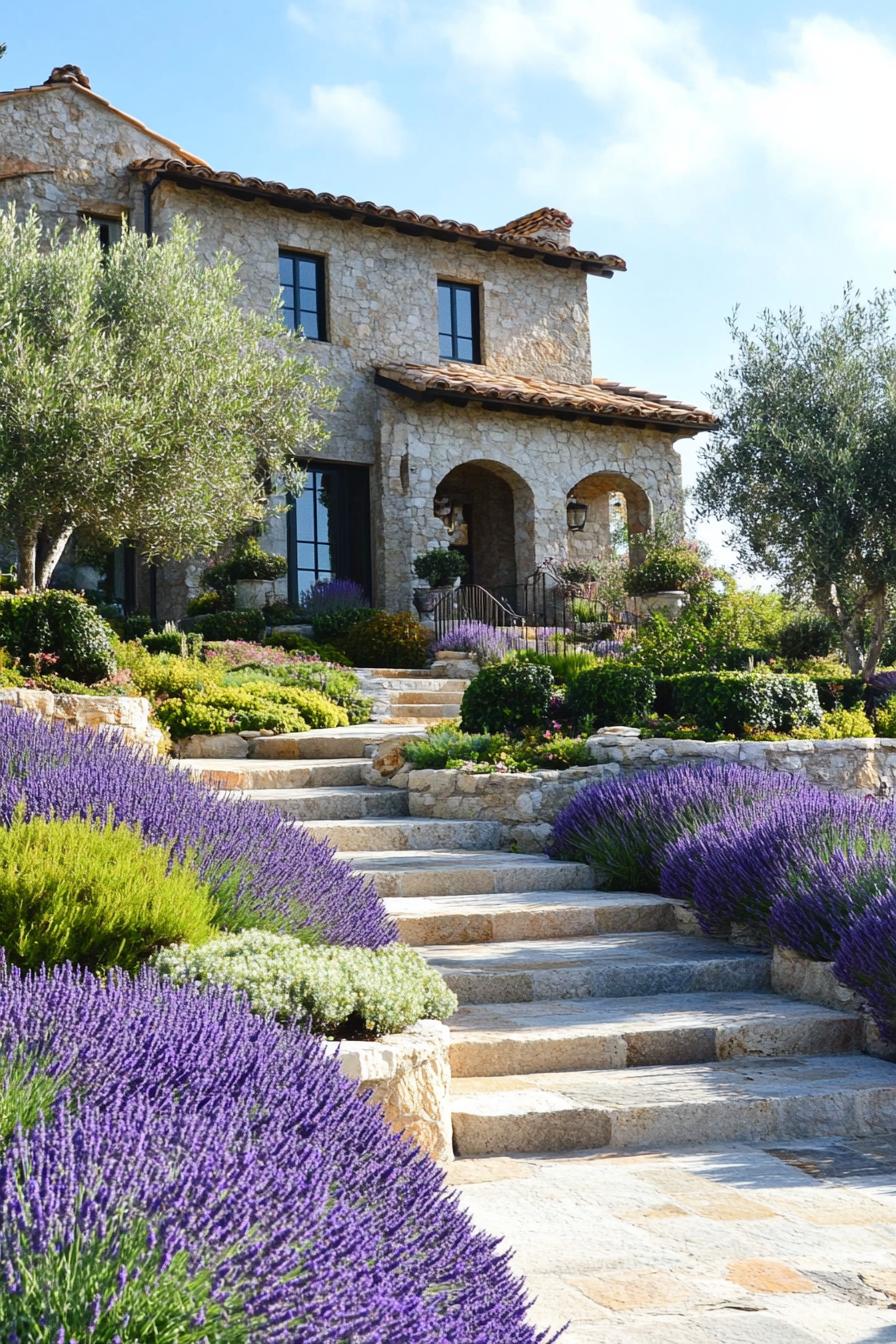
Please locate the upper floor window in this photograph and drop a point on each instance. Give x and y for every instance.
(109, 229)
(459, 321)
(303, 295)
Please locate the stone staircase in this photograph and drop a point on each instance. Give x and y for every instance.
(588, 1019)
(413, 696)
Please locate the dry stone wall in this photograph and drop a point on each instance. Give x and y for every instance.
(125, 715)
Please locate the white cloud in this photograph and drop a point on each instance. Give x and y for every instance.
(300, 18)
(670, 123)
(351, 114)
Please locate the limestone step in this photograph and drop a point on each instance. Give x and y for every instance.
(400, 673)
(433, 873)
(613, 965)
(563, 1034)
(338, 804)
(423, 710)
(753, 1100)
(286, 774)
(428, 697)
(490, 917)
(430, 688)
(325, 743)
(429, 833)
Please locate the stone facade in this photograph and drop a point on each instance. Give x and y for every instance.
(526, 805)
(67, 152)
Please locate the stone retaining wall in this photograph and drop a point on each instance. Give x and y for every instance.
(527, 804)
(409, 1075)
(127, 715)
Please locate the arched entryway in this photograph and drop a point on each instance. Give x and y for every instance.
(488, 514)
(617, 508)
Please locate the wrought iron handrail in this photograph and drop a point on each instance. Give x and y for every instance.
(472, 602)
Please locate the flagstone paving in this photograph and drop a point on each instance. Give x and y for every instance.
(791, 1244)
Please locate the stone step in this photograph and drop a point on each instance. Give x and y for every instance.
(430, 688)
(565, 1034)
(435, 711)
(400, 673)
(286, 774)
(429, 833)
(612, 965)
(741, 1100)
(427, 697)
(491, 917)
(325, 804)
(325, 743)
(428, 873)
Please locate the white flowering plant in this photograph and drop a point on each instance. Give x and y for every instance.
(349, 992)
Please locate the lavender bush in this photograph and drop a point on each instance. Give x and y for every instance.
(182, 1170)
(624, 827)
(866, 958)
(270, 874)
(334, 594)
(489, 643)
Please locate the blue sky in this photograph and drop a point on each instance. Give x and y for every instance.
(732, 153)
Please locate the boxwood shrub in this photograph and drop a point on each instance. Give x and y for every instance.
(63, 625)
(507, 697)
(227, 624)
(729, 702)
(386, 639)
(612, 693)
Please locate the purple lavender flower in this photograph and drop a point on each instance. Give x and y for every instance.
(265, 871)
(489, 643)
(333, 595)
(866, 958)
(624, 827)
(211, 1167)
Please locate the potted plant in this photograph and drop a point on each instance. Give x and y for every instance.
(443, 569)
(253, 574)
(667, 576)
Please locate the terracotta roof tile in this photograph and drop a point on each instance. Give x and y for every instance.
(404, 221)
(73, 77)
(546, 220)
(600, 400)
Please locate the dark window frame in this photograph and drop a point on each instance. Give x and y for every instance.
(110, 227)
(319, 262)
(347, 540)
(454, 287)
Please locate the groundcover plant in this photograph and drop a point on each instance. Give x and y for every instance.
(175, 1169)
(264, 872)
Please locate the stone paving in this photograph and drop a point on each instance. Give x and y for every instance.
(793, 1243)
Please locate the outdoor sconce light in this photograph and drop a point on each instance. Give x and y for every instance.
(576, 514)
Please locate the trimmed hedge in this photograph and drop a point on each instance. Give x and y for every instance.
(387, 639)
(507, 697)
(227, 625)
(729, 702)
(614, 693)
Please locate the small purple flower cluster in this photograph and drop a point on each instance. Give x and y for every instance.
(488, 642)
(198, 1173)
(808, 869)
(268, 873)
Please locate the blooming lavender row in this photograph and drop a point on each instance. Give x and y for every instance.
(206, 1175)
(808, 869)
(265, 872)
(489, 643)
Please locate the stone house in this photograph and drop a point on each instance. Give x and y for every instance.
(468, 412)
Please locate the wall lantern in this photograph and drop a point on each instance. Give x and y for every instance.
(576, 514)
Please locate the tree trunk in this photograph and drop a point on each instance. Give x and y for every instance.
(52, 556)
(878, 607)
(849, 625)
(26, 560)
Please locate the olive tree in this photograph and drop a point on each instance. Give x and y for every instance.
(803, 463)
(140, 400)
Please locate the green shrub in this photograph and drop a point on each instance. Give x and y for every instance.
(564, 667)
(438, 746)
(507, 697)
(210, 601)
(614, 693)
(246, 561)
(839, 723)
(807, 636)
(733, 702)
(163, 674)
(666, 568)
(344, 991)
(440, 566)
(295, 643)
(165, 641)
(885, 718)
(336, 683)
(257, 704)
(387, 640)
(62, 625)
(95, 895)
(558, 752)
(136, 626)
(281, 613)
(337, 621)
(845, 693)
(227, 625)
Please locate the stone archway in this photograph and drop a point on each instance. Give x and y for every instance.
(488, 512)
(613, 501)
